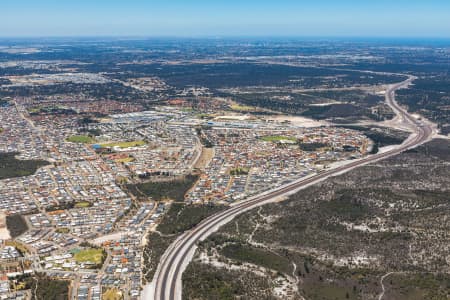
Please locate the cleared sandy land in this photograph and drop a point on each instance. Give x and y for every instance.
(233, 117)
(205, 158)
(116, 236)
(4, 232)
(298, 121)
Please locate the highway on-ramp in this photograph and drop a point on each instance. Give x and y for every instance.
(167, 281)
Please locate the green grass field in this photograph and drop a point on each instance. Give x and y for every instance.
(62, 230)
(277, 138)
(89, 255)
(239, 171)
(125, 160)
(112, 294)
(83, 204)
(84, 139)
(124, 144)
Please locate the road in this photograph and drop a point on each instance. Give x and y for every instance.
(383, 289)
(167, 280)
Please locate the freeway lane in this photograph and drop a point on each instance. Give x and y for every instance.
(168, 276)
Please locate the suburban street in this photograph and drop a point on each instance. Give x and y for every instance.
(167, 280)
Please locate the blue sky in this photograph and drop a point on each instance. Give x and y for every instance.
(191, 18)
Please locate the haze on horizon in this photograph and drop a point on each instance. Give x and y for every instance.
(352, 18)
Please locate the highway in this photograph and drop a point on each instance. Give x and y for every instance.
(167, 280)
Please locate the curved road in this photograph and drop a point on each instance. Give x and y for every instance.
(167, 280)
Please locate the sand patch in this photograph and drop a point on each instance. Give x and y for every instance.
(297, 121)
(4, 232)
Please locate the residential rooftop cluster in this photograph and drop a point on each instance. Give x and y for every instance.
(250, 161)
(80, 195)
(164, 147)
(77, 202)
(18, 134)
(122, 266)
(150, 84)
(51, 79)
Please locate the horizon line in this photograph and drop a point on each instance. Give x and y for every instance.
(225, 36)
